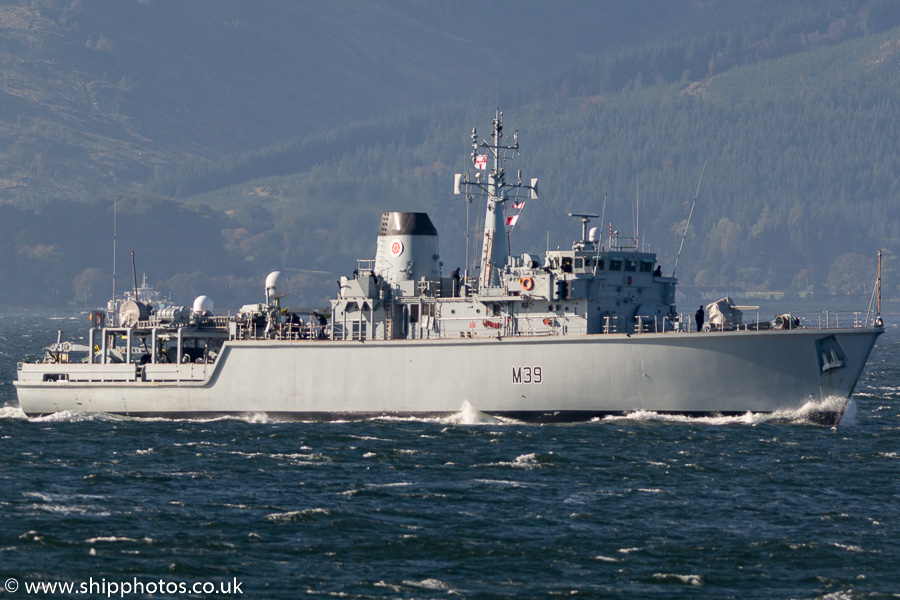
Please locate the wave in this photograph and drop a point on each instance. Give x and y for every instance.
(292, 516)
(806, 414)
(110, 539)
(677, 578)
(69, 416)
(467, 415)
(12, 412)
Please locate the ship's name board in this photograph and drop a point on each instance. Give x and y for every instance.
(526, 375)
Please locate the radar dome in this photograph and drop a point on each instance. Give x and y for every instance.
(276, 285)
(203, 304)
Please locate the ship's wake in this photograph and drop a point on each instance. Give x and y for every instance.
(467, 415)
(813, 412)
(819, 412)
(12, 412)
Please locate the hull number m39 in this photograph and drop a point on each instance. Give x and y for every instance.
(527, 375)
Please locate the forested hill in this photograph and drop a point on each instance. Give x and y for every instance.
(789, 105)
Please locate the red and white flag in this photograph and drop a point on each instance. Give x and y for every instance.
(481, 162)
(511, 221)
(520, 205)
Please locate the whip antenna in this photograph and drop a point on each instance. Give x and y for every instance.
(602, 217)
(690, 214)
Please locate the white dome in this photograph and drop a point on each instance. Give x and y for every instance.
(276, 285)
(203, 304)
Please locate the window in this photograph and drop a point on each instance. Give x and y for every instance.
(615, 264)
(631, 265)
(646, 267)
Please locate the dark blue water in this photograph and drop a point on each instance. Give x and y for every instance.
(466, 507)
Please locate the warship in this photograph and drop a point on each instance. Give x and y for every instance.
(570, 335)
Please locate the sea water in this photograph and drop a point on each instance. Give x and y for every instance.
(464, 507)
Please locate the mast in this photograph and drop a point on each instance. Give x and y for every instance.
(494, 219)
(878, 306)
(115, 213)
(497, 191)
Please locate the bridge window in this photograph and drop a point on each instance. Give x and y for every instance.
(646, 267)
(631, 265)
(615, 264)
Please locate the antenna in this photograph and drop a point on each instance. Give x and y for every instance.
(603, 215)
(134, 276)
(878, 307)
(690, 214)
(585, 220)
(637, 212)
(606, 196)
(115, 226)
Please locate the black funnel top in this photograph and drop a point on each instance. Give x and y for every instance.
(406, 223)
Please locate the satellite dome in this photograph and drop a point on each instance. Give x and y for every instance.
(276, 285)
(203, 304)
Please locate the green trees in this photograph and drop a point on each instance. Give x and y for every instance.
(851, 273)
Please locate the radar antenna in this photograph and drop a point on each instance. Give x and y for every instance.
(585, 219)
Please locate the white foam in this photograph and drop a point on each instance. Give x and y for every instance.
(608, 559)
(12, 412)
(839, 595)
(747, 418)
(849, 547)
(467, 415)
(110, 539)
(523, 461)
(688, 579)
(430, 584)
(296, 515)
(69, 416)
(804, 414)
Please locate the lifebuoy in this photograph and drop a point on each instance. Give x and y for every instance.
(528, 284)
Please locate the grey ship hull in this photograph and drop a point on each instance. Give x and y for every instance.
(550, 378)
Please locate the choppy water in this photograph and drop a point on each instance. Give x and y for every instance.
(467, 507)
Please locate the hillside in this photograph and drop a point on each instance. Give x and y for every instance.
(95, 96)
(232, 157)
